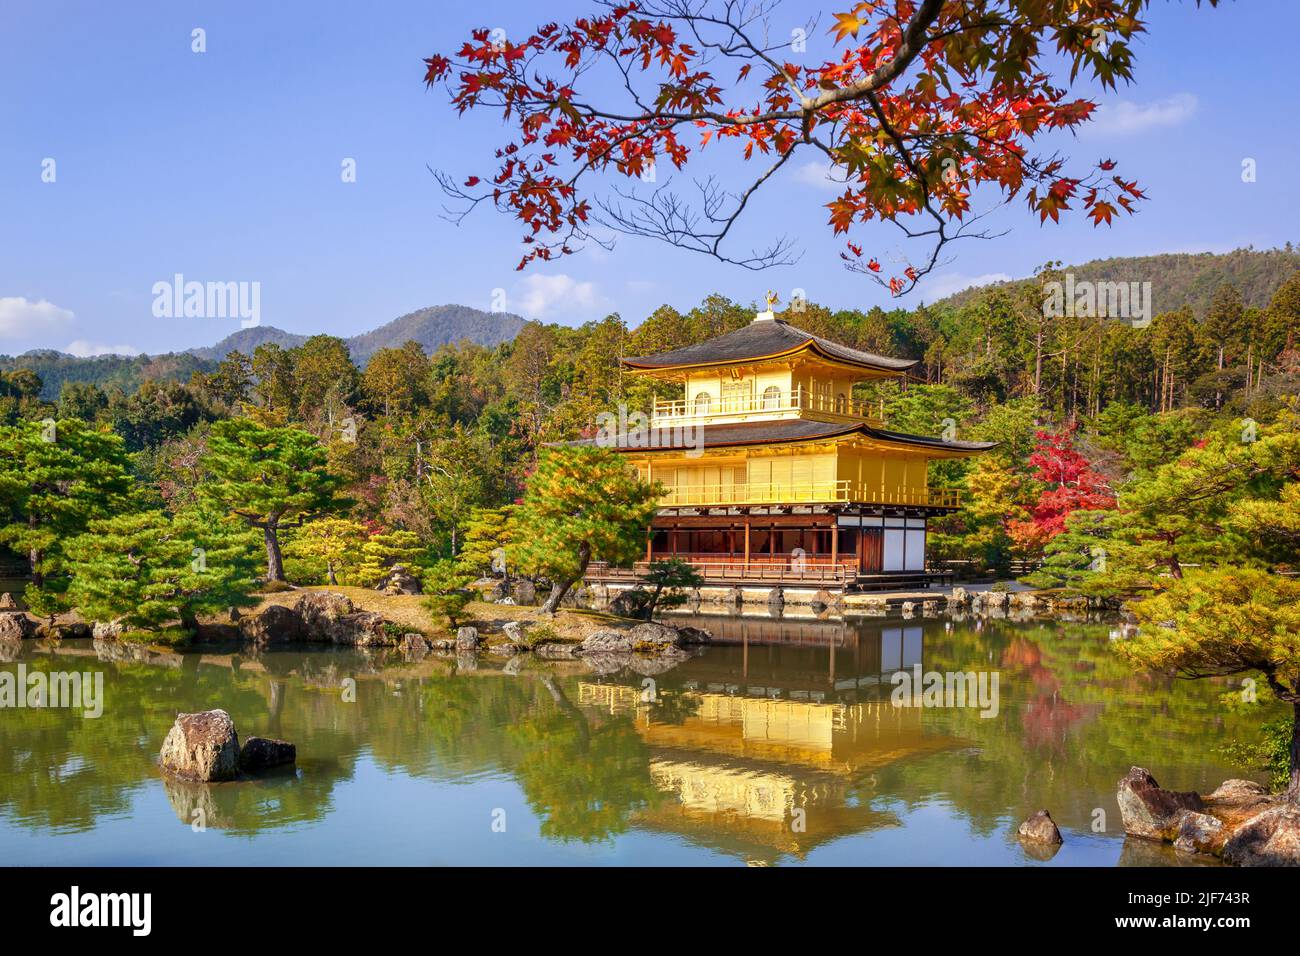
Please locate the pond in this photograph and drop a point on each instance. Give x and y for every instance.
(781, 743)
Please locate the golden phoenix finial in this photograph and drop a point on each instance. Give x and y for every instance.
(772, 299)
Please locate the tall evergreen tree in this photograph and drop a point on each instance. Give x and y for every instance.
(271, 478)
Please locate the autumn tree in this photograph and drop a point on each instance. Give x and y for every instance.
(485, 546)
(582, 504)
(271, 477)
(923, 103)
(1069, 482)
(335, 543)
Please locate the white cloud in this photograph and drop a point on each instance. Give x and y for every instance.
(1123, 117)
(814, 173)
(21, 316)
(546, 296)
(936, 287)
(83, 349)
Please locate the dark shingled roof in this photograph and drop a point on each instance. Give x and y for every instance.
(671, 438)
(760, 339)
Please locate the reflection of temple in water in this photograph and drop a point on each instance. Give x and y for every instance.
(768, 742)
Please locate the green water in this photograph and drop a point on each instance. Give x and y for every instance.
(777, 744)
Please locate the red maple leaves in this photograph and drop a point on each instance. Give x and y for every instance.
(925, 103)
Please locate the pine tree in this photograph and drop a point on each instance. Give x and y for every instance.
(55, 478)
(271, 478)
(582, 504)
(486, 541)
(334, 542)
(1230, 621)
(148, 570)
(446, 590)
(382, 551)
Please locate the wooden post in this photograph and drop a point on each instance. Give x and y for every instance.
(835, 543)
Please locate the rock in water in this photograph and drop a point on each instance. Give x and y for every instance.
(1271, 838)
(607, 641)
(263, 753)
(1198, 833)
(514, 632)
(202, 747)
(1147, 810)
(274, 624)
(1040, 828)
(467, 638)
(653, 636)
(17, 626)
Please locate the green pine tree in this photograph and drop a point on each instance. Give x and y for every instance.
(582, 504)
(271, 478)
(55, 478)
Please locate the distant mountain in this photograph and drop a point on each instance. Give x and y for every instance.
(246, 340)
(436, 326)
(1179, 279)
(432, 327)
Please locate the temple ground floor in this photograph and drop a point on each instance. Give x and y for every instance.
(842, 548)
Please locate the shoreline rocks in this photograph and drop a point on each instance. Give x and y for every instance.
(1240, 821)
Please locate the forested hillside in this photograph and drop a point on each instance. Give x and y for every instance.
(1185, 278)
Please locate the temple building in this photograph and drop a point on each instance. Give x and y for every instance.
(774, 474)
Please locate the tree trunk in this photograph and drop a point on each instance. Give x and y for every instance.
(333, 579)
(274, 562)
(558, 590)
(561, 588)
(1293, 788)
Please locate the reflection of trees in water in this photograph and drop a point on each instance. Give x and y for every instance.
(1073, 719)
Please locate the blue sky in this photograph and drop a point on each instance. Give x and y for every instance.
(225, 166)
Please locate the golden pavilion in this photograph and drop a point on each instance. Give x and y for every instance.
(773, 474)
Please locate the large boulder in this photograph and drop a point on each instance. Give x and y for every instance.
(467, 638)
(1040, 828)
(274, 624)
(107, 630)
(202, 747)
(607, 641)
(7, 602)
(415, 646)
(653, 637)
(1271, 838)
(693, 635)
(264, 753)
(514, 632)
(1149, 811)
(16, 626)
(399, 580)
(331, 618)
(959, 597)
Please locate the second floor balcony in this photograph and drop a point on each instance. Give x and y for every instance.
(773, 402)
(804, 493)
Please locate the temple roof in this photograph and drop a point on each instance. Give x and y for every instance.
(760, 340)
(673, 438)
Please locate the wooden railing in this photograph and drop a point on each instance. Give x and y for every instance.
(786, 400)
(812, 569)
(806, 492)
